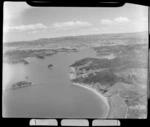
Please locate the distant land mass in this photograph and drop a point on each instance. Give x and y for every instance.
(81, 38)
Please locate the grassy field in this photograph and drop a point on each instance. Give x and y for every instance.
(118, 109)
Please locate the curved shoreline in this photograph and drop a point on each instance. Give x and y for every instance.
(105, 100)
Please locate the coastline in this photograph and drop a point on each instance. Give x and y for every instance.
(105, 100)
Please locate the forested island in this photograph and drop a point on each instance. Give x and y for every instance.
(50, 66)
(20, 84)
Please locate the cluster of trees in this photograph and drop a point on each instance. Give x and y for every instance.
(104, 78)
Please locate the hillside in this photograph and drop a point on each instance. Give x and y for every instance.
(121, 78)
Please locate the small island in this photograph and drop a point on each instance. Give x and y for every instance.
(20, 84)
(40, 57)
(50, 66)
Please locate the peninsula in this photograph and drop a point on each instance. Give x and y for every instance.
(121, 82)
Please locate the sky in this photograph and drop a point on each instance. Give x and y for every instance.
(23, 22)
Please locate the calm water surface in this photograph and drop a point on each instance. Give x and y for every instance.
(52, 94)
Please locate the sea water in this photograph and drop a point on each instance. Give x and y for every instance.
(52, 95)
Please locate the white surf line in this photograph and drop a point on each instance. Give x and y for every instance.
(98, 93)
(125, 105)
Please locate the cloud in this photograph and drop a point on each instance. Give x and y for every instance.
(121, 19)
(71, 24)
(106, 21)
(115, 20)
(14, 9)
(22, 28)
(144, 19)
(141, 24)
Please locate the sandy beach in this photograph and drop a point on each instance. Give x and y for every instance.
(105, 100)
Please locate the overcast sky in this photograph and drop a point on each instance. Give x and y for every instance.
(23, 22)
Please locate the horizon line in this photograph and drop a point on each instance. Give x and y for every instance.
(74, 36)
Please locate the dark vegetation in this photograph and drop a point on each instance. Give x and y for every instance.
(15, 61)
(50, 66)
(21, 84)
(104, 78)
(40, 57)
(128, 60)
(17, 56)
(127, 56)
